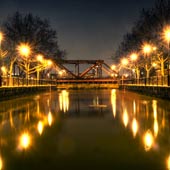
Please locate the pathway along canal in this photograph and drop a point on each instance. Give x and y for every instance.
(85, 129)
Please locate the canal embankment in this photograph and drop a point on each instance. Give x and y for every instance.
(156, 91)
(7, 93)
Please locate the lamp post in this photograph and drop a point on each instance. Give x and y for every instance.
(42, 65)
(166, 35)
(146, 50)
(133, 58)
(25, 50)
(124, 63)
(40, 58)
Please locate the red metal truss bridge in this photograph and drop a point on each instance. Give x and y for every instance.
(84, 69)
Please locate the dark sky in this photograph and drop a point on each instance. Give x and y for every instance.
(87, 29)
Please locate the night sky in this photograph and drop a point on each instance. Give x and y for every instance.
(87, 29)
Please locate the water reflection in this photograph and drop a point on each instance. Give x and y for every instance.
(148, 140)
(134, 127)
(50, 118)
(40, 127)
(143, 121)
(168, 162)
(125, 117)
(24, 141)
(64, 100)
(113, 101)
(1, 163)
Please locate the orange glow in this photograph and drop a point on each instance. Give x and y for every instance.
(134, 127)
(113, 67)
(24, 49)
(113, 101)
(168, 163)
(40, 58)
(133, 56)
(156, 128)
(148, 140)
(124, 61)
(125, 118)
(64, 100)
(25, 140)
(1, 36)
(50, 119)
(40, 127)
(146, 48)
(1, 163)
(166, 34)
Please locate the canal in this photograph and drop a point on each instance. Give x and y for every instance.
(85, 129)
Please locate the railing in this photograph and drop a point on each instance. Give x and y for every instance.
(151, 81)
(17, 81)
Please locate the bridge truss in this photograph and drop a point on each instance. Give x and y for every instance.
(83, 69)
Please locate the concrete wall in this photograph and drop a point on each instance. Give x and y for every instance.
(13, 92)
(156, 91)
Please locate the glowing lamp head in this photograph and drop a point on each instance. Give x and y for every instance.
(49, 62)
(133, 56)
(147, 49)
(124, 61)
(24, 50)
(1, 36)
(166, 34)
(40, 58)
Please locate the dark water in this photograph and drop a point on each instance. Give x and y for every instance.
(85, 129)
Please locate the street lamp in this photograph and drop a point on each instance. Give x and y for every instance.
(133, 58)
(40, 58)
(147, 48)
(166, 36)
(43, 64)
(25, 51)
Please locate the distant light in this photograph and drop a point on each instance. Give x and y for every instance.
(166, 33)
(134, 127)
(133, 56)
(148, 140)
(125, 118)
(168, 163)
(40, 127)
(25, 140)
(50, 119)
(1, 163)
(147, 48)
(24, 49)
(40, 57)
(113, 67)
(124, 61)
(1, 36)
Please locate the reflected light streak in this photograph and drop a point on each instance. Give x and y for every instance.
(148, 140)
(1, 163)
(113, 101)
(125, 118)
(134, 127)
(64, 100)
(156, 128)
(168, 162)
(154, 106)
(40, 127)
(50, 119)
(134, 107)
(24, 141)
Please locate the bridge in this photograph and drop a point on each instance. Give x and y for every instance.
(84, 69)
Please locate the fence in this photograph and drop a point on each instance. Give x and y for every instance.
(17, 81)
(151, 81)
